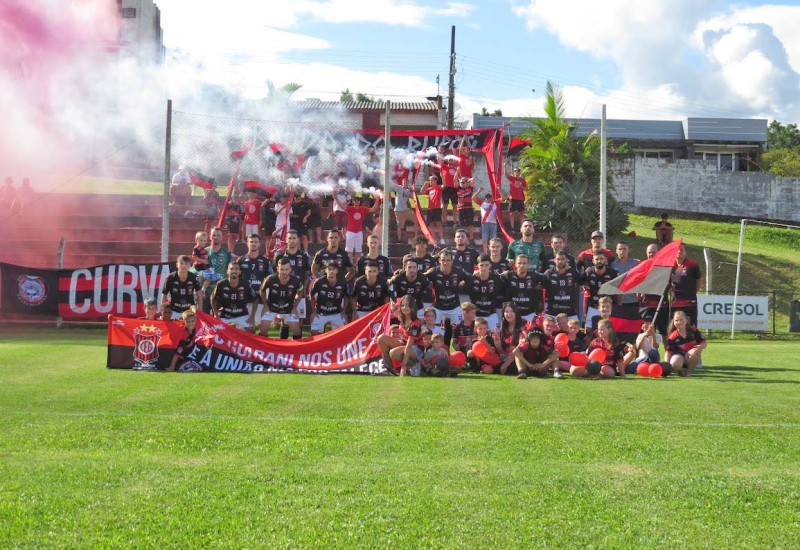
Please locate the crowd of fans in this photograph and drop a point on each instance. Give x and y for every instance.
(521, 308)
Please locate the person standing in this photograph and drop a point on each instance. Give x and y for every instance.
(622, 264)
(517, 187)
(332, 253)
(649, 303)
(592, 279)
(252, 215)
(280, 294)
(327, 297)
(585, 258)
(528, 246)
(369, 291)
(686, 282)
(433, 188)
(524, 288)
(403, 211)
(181, 289)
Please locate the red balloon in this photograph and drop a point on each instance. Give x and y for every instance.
(491, 359)
(479, 349)
(655, 370)
(561, 338)
(578, 359)
(643, 369)
(457, 359)
(598, 354)
(562, 349)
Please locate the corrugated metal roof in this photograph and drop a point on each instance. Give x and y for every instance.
(426, 106)
(727, 129)
(694, 129)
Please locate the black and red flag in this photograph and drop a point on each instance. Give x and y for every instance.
(516, 145)
(260, 188)
(142, 344)
(650, 276)
(627, 321)
(200, 180)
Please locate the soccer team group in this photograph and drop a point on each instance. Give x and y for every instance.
(523, 309)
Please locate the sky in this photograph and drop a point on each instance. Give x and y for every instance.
(70, 100)
(660, 59)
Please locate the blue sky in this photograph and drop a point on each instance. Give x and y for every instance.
(657, 59)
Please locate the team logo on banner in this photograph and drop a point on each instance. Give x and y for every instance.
(31, 290)
(145, 346)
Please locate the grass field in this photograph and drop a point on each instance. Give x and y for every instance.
(97, 458)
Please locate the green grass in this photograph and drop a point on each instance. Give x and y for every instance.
(97, 458)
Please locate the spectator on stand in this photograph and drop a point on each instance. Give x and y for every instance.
(212, 203)
(489, 212)
(466, 208)
(354, 238)
(433, 188)
(664, 230)
(403, 211)
(179, 190)
(301, 214)
(252, 215)
(517, 187)
(341, 197)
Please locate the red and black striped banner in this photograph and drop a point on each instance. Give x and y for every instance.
(85, 293)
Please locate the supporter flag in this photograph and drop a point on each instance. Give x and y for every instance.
(200, 180)
(516, 145)
(627, 322)
(28, 291)
(260, 188)
(648, 277)
(141, 344)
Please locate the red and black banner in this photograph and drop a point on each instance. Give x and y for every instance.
(85, 293)
(140, 344)
(218, 347)
(200, 180)
(627, 321)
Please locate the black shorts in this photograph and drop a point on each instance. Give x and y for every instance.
(449, 194)
(434, 215)
(466, 216)
(301, 228)
(234, 226)
(517, 205)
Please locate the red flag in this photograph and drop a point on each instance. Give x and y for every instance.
(648, 277)
(260, 188)
(200, 180)
(516, 145)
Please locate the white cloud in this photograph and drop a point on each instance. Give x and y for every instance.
(679, 56)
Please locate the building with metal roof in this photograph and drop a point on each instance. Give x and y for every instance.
(371, 115)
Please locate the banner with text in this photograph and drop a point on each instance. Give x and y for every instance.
(85, 293)
(218, 347)
(716, 312)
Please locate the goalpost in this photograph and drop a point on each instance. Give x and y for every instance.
(744, 223)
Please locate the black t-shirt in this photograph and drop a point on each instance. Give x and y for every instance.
(419, 288)
(524, 291)
(446, 287)
(425, 262)
(185, 345)
(254, 270)
(592, 281)
(329, 296)
(486, 295)
(562, 291)
(464, 336)
(384, 266)
(280, 297)
(339, 256)
(300, 262)
(500, 267)
(466, 259)
(232, 301)
(181, 293)
(369, 297)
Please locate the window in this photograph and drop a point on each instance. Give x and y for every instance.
(129, 13)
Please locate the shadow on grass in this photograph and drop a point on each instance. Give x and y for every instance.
(741, 373)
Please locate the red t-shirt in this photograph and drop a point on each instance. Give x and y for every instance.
(517, 186)
(435, 197)
(413, 331)
(399, 173)
(464, 197)
(252, 212)
(355, 218)
(449, 169)
(465, 166)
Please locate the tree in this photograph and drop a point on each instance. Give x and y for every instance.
(782, 161)
(783, 137)
(496, 112)
(346, 96)
(563, 173)
(283, 93)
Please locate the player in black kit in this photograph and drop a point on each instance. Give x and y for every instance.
(255, 266)
(486, 292)
(327, 299)
(373, 255)
(181, 289)
(335, 254)
(524, 288)
(447, 282)
(370, 291)
(561, 284)
(230, 300)
(464, 257)
(410, 282)
(280, 295)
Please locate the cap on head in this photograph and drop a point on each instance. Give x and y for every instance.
(597, 234)
(150, 301)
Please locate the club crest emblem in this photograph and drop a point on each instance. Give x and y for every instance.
(145, 346)
(31, 290)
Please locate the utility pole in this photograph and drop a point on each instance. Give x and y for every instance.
(603, 169)
(451, 98)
